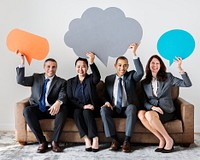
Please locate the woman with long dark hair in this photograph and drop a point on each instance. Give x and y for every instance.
(159, 107)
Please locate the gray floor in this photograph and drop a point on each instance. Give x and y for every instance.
(9, 149)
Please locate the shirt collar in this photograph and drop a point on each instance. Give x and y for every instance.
(154, 79)
(50, 78)
(117, 77)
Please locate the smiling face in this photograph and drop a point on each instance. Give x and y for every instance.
(81, 68)
(154, 66)
(50, 68)
(121, 67)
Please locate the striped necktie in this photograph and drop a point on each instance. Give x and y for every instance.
(119, 96)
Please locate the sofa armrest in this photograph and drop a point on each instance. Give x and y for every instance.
(20, 123)
(187, 117)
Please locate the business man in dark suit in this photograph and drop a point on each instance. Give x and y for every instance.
(47, 101)
(121, 99)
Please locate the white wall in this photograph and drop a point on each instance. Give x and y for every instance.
(50, 19)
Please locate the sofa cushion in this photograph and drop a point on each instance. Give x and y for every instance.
(120, 123)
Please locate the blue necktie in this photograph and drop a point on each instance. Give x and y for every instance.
(42, 105)
(119, 96)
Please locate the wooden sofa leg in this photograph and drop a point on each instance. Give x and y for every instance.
(185, 144)
(22, 143)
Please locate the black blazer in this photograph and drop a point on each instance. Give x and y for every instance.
(57, 89)
(91, 79)
(130, 79)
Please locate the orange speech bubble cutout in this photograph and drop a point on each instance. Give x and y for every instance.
(32, 46)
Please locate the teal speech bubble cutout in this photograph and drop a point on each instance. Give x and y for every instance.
(175, 43)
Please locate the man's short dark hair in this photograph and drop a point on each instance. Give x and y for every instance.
(121, 57)
(50, 59)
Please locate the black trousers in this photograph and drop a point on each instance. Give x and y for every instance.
(33, 114)
(85, 122)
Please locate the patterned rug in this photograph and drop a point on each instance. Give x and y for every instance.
(11, 150)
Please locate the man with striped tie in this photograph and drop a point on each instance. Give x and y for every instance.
(121, 99)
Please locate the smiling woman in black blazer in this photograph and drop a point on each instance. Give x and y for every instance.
(81, 92)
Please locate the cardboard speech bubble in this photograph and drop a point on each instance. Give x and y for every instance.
(107, 33)
(31, 45)
(175, 43)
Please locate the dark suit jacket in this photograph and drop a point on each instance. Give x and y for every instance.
(92, 80)
(164, 99)
(57, 90)
(130, 79)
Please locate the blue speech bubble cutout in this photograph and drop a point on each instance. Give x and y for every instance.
(175, 43)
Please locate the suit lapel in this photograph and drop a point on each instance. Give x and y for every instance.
(74, 83)
(52, 84)
(124, 81)
(41, 83)
(160, 87)
(112, 80)
(148, 89)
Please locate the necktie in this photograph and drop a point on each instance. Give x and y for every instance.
(119, 96)
(42, 105)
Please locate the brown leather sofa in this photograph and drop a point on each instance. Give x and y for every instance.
(182, 129)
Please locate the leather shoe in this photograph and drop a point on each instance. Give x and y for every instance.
(114, 146)
(126, 147)
(43, 147)
(55, 147)
(95, 150)
(88, 149)
(159, 149)
(168, 150)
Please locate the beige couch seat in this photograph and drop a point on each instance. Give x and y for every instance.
(182, 129)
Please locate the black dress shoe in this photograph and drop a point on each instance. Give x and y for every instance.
(158, 149)
(43, 147)
(168, 150)
(88, 149)
(55, 147)
(95, 150)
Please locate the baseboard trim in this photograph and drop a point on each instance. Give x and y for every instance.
(7, 127)
(197, 129)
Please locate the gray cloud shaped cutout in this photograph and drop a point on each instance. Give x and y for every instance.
(105, 32)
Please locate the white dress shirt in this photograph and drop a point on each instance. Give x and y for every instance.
(154, 84)
(47, 90)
